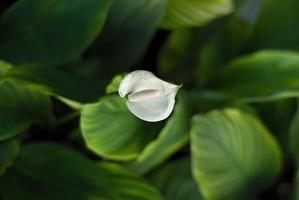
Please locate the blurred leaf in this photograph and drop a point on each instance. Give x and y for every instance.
(50, 31)
(8, 151)
(262, 76)
(188, 13)
(55, 82)
(233, 154)
(4, 67)
(20, 107)
(222, 47)
(270, 30)
(112, 131)
(294, 135)
(277, 116)
(173, 136)
(66, 174)
(114, 84)
(175, 181)
(179, 55)
(128, 30)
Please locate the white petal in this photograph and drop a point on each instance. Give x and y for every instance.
(142, 80)
(153, 109)
(149, 98)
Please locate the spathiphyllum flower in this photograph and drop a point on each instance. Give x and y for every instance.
(148, 97)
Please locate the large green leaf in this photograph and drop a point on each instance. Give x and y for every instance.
(173, 136)
(270, 30)
(20, 107)
(188, 13)
(55, 82)
(233, 154)
(128, 30)
(175, 181)
(111, 131)
(264, 75)
(50, 31)
(8, 152)
(51, 171)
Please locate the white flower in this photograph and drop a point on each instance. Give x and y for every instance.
(148, 97)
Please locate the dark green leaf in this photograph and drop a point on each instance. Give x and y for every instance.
(50, 171)
(270, 30)
(261, 76)
(233, 154)
(175, 181)
(50, 31)
(8, 151)
(111, 131)
(188, 13)
(128, 30)
(20, 107)
(294, 135)
(55, 82)
(179, 55)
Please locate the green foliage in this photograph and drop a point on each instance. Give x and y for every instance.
(66, 174)
(234, 130)
(188, 13)
(8, 151)
(250, 157)
(175, 180)
(50, 31)
(112, 131)
(276, 71)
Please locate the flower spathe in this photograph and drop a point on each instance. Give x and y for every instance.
(148, 97)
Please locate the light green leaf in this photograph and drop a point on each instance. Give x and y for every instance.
(66, 174)
(114, 84)
(20, 107)
(55, 82)
(50, 31)
(8, 151)
(112, 131)
(4, 67)
(173, 136)
(190, 13)
(233, 154)
(262, 76)
(129, 28)
(175, 181)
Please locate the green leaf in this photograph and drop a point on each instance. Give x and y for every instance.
(127, 32)
(111, 131)
(270, 30)
(114, 84)
(190, 13)
(4, 67)
(20, 107)
(66, 174)
(175, 181)
(233, 154)
(50, 31)
(179, 54)
(262, 76)
(294, 135)
(55, 82)
(173, 136)
(8, 151)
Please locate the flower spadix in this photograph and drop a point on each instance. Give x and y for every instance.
(148, 97)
